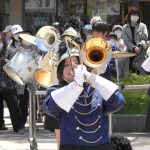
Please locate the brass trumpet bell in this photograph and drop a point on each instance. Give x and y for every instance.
(46, 38)
(96, 55)
(43, 77)
(94, 52)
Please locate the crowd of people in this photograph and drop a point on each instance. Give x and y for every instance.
(77, 107)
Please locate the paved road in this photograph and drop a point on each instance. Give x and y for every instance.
(11, 141)
(46, 139)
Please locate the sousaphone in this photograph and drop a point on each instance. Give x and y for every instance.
(47, 41)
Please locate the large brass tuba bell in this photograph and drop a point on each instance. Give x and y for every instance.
(47, 41)
(45, 78)
(46, 38)
(94, 52)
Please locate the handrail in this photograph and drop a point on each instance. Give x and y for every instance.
(126, 87)
(135, 87)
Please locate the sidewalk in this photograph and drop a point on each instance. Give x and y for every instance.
(11, 141)
(46, 140)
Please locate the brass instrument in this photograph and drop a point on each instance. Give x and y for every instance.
(47, 41)
(96, 53)
(46, 38)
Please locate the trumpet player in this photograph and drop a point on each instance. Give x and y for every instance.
(80, 102)
(146, 67)
(51, 123)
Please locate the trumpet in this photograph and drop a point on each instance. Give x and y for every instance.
(95, 52)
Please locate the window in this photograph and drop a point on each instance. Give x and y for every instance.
(39, 13)
(109, 10)
(4, 13)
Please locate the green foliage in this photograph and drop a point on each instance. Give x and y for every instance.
(136, 100)
(134, 79)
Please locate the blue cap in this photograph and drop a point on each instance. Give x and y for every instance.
(88, 27)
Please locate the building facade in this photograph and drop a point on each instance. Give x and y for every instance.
(32, 14)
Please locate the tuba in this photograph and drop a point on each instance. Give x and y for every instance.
(45, 75)
(46, 38)
(96, 53)
(47, 41)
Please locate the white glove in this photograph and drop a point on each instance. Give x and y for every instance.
(146, 65)
(79, 74)
(104, 86)
(148, 52)
(66, 96)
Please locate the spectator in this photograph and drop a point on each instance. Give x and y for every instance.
(88, 31)
(123, 63)
(95, 19)
(135, 36)
(9, 94)
(7, 34)
(100, 29)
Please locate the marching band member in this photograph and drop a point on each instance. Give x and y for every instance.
(51, 123)
(75, 23)
(80, 102)
(146, 63)
(14, 44)
(7, 34)
(31, 51)
(146, 67)
(10, 93)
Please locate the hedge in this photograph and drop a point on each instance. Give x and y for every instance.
(136, 100)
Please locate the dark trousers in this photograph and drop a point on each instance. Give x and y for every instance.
(24, 101)
(147, 123)
(10, 98)
(2, 121)
(107, 146)
(131, 69)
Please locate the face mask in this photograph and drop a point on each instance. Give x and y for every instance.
(134, 18)
(16, 37)
(112, 41)
(89, 37)
(119, 33)
(26, 43)
(58, 34)
(1, 46)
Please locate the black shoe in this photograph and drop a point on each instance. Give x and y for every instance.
(3, 127)
(20, 131)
